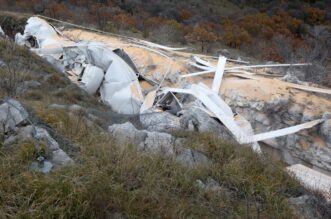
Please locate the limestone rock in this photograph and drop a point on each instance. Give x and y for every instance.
(12, 114)
(127, 134)
(308, 206)
(198, 120)
(159, 142)
(190, 158)
(22, 134)
(326, 130)
(186, 157)
(159, 122)
(57, 156)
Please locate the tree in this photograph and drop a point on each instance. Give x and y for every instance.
(59, 10)
(315, 15)
(125, 21)
(235, 36)
(202, 35)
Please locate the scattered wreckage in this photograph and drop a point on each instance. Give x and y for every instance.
(111, 73)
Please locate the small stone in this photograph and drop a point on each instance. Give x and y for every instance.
(43, 167)
(60, 158)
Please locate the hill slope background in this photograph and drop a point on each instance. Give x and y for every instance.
(281, 31)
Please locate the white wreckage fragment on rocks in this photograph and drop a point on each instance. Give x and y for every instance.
(312, 179)
(92, 79)
(238, 126)
(2, 33)
(94, 66)
(40, 35)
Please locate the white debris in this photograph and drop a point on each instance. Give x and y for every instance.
(2, 33)
(45, 35)
(92, 79)
(312, 179)
(148, 102)
(94, 64)
(219, 74)
(99, 68)
(286, 131)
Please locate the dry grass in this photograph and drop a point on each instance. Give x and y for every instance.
(109, 179)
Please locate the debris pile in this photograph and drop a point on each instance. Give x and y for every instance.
(94, 66)
(131, 83)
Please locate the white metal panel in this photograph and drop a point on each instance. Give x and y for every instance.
(219, 74)
(312, 179)
(92, 79)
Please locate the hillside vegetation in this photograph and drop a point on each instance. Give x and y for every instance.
(116, 181)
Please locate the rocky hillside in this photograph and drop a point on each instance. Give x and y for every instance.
(64, 154)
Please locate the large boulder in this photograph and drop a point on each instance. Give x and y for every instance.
(158, 142)
(126, 133)
(195, 119)
(159, 122)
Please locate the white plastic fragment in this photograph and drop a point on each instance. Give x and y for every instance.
(246, 126)
(45, 35)
(2, 33)
(269, 66)
(209, 70)
(219, 74)
(312, 179)
(286, 131)
(148, 102)
(222, 113)
(219, 112)
(92, 79)
(104, 69)
(121, 88)
(202, 67)
(202, 62)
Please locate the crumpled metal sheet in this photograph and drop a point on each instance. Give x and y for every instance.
(92, 79)
(94, 64)
(2, 33)
(311, 179)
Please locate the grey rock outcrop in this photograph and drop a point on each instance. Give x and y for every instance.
(157, 142)
(326, 131)
(195, 119)
(127, 134)
(12, 114)
(57, 156)
(16, 126)
(159, 122)
(308, 206)
(147, 141)
(189, 158)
